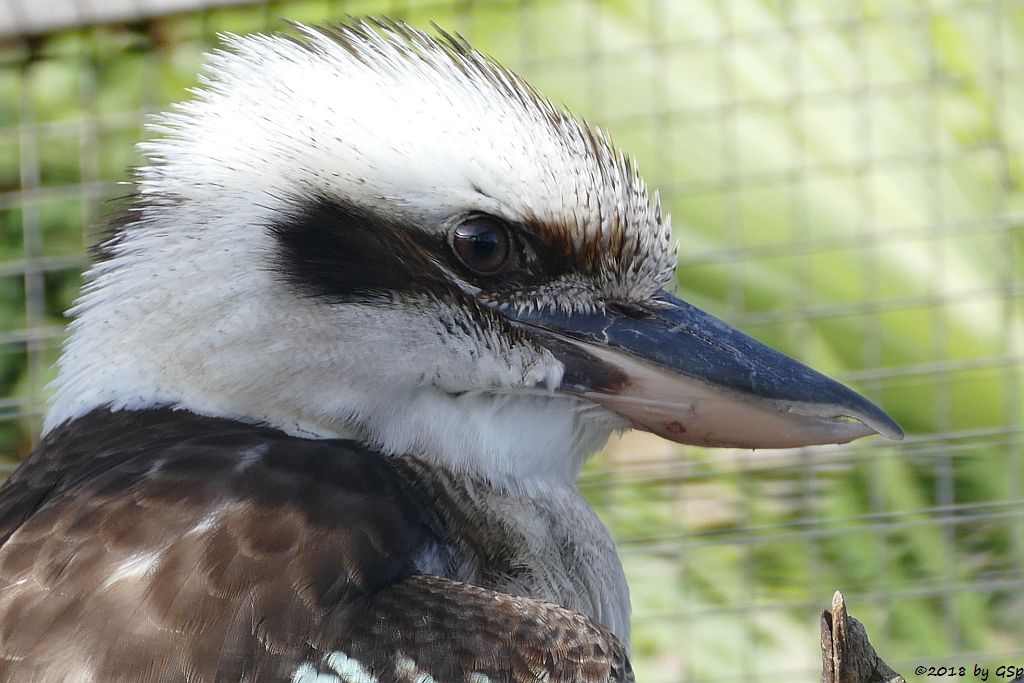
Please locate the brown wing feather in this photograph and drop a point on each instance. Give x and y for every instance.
(163, 546)
(458, 632)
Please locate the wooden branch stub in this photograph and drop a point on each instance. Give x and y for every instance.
(846, 654)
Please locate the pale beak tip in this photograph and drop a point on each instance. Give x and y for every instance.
(858, 415)
(888, 428)
(876, 419)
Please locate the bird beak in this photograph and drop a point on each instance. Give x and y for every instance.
(681, 373)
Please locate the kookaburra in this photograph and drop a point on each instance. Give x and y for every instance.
(329, 385)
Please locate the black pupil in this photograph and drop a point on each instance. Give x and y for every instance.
(483, 247)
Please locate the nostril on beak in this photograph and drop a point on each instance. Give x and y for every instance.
(628, 310)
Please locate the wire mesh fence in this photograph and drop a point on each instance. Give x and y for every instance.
(847, 184)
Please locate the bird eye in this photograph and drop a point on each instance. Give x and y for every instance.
(482, 245)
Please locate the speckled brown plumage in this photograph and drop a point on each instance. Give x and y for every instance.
(465, 629)
(163, 546)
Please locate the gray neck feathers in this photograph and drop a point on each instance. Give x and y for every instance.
(548, 545)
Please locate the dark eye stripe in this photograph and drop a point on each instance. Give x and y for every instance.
(347, 253)
(333, 249)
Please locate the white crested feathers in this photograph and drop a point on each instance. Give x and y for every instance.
(391, 118)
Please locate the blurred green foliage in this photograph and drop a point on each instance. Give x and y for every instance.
(846, 184)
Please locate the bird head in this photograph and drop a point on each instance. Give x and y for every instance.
(370, 232)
